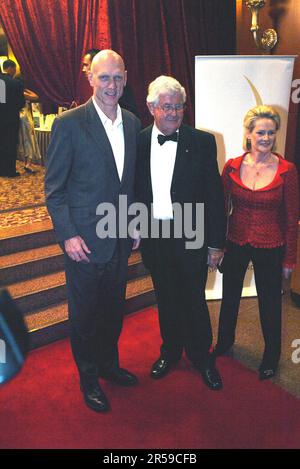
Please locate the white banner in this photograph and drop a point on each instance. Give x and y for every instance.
(226, 87)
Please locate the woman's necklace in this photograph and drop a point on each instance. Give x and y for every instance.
(260, 165)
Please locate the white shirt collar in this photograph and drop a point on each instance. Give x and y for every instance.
(156, 131)
(103, 117)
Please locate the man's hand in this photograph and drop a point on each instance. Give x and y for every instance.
(77, 249)
(136, 244)
(214, 257)
(286, 271)
(136, 240)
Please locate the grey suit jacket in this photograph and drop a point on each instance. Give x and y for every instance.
(81, 173)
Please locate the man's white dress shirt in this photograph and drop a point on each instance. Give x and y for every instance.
(162, 162)
(115, 133)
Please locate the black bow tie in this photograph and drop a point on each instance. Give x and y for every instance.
(164, 138)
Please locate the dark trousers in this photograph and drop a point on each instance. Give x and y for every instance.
(9, 143)
(179, 277)
(96, 298)
(267, 264)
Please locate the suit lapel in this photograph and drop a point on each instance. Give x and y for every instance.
(128, 141)
(182, 155)
(97, 131)
(146, 150)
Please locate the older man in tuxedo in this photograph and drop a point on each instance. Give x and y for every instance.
(90, 161)
(177, 164)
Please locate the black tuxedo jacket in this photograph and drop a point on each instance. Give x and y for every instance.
(81, 173)
(12, 91)
(196, 179)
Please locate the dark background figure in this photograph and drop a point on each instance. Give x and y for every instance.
(177, 164)
(91, 160)
(9, 119)
(261, 191)
(127, 100)
(28, 148)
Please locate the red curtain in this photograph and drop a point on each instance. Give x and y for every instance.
(99, 38)
(158, 37)
(100, 29)
(48, 39)
(155, 37)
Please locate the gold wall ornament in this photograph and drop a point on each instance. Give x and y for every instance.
(268, 39)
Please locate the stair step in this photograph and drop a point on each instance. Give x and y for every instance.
(32, 269)
(31, 263)
(21, 257)
(59, 312)
(136, 267)
(49, 324)
(135, 258)
(30, 236)
(40, 292)
(46, 317)
(36, 262)
(138, 287)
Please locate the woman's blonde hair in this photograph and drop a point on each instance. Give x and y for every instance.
(258, 112)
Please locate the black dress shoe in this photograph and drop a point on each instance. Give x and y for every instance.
(266, 374)
(211, 377)
(95, 398)
(161, 368)
(119, 376)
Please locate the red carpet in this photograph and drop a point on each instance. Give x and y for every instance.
(43, 407)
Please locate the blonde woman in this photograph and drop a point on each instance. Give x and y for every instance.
(261, 190)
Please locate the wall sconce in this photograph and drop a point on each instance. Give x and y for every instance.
(268, 39)
(2, 59)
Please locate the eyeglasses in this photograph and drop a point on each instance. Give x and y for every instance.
(168, 108)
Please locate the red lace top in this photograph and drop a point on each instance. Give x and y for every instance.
(266, 217)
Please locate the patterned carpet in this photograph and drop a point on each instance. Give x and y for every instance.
(22, 199)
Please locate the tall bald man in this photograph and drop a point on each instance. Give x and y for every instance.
(127, 100)
(90, 161)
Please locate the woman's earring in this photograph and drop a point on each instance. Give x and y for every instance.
(248, 144)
